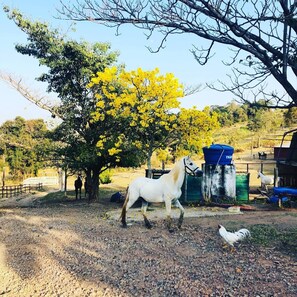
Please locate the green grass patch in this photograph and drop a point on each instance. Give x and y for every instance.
(268, 235)
(264, 234)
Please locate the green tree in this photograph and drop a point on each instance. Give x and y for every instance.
(194, 130)
(264, 119)
(25, 144)
(70, 65)
(290, 116)
(230, 114)
(237, 111)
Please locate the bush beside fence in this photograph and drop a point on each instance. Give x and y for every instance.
(11, 191)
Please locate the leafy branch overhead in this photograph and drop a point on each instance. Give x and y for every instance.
(261, 35)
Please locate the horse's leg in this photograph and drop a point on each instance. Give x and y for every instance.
(76, 193)
(168, 214)
(143, 211)
(124, 211)
(182, 211)
(129, 201)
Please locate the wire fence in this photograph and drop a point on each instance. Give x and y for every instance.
(12, 191)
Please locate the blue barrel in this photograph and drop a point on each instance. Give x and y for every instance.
(284, 191)
(218, 154)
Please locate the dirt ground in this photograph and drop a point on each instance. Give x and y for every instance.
(79, 249)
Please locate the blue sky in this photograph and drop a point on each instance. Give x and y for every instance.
(131, 44)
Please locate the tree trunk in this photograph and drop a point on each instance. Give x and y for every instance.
(92, 184)
(95, 184)
(65, 183)
(149, 163)
(88, 184)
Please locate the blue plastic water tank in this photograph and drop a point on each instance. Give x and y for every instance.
(218, 154)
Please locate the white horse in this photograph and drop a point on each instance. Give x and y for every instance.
(165, 189)
(265, 180)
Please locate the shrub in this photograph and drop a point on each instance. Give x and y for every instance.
(105, 177)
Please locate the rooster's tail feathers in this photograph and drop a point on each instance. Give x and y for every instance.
(243, 233)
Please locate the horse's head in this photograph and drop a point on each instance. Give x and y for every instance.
(191, 168)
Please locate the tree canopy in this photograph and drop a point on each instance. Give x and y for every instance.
(70, 65)
(255, 118)
(25, 145)
(262, 37)
(195, 130)
(148, 103)
(144, 100)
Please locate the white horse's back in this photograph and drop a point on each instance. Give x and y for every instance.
(149, 189)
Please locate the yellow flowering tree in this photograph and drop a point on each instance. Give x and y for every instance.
(145, 101)
(195, 129)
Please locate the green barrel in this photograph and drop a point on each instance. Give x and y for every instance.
(242, 187)
(191, 189)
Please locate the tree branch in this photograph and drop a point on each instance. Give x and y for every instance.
(253, 27)
(40, 101)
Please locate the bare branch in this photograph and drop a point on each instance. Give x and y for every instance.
(253, 28)
(193, 89)
(32, 96)
(204, 54)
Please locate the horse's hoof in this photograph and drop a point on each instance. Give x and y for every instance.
(171, 230)
(148, 226)
(124, 225)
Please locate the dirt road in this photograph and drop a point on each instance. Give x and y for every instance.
(76, 249)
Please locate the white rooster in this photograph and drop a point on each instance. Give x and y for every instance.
(232, 237)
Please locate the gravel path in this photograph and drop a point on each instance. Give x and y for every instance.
(79, 250)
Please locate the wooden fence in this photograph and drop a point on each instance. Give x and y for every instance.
(11, 191)
(267, 167)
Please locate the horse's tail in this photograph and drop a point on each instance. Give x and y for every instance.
(123, 214)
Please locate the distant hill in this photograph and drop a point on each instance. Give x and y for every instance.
(242, 139)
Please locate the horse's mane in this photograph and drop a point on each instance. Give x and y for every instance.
(175, 171)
